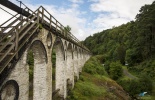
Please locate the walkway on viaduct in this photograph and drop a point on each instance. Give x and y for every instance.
(39, 33)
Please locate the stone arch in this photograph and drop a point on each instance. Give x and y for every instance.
(9, 91)
(80, 59)
(70, 50)
(76, 51)
(65, 47)
(83, 58)
(69, 60)
(65, 44)
(80, 53)
(59, 74)
(76, 70)
(70, 67)
(49, 40)
(38, 86)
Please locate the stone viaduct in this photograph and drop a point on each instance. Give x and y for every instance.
(40, 33)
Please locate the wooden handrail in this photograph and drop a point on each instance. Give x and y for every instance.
(59, 25)
(8, 20)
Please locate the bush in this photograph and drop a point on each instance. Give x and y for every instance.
(87, 89)
(146, 83)
(136, 86)
(115, 70)
(89, 67)
(93, 66)
(107, 66)
(101, 58)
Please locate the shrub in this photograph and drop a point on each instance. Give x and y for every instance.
(107, 66)
(146, 83)
(101, 58)
(87, 89)
(93, 66)
(115, 70)
(136, 86)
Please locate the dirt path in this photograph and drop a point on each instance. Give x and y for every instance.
(125, 72)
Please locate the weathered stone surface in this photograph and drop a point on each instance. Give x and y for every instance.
(69, 61)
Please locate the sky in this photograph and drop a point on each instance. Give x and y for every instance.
(86, 17)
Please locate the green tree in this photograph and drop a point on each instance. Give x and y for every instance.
(115, 70)
(121, 54)
(67, 30)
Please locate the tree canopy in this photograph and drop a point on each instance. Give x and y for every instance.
(132, 42)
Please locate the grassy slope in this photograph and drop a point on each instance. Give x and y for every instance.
(132, 75)
(94, 84)
(146, 67)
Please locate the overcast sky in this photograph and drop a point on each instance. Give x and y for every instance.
(86, 17)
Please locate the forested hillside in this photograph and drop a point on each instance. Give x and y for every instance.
(132, 44)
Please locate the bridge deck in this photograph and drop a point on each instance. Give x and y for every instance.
(18, 31)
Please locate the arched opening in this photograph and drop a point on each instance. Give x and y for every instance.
(76, 70)
(80, 60)
(49, 40)
(53, 69)
(30, 62)
(37, 60)
(70, 68)
(58, 70)
(9, 91)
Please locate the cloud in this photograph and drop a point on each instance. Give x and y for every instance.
(107, 21)
(4, 15)
(103, 14)
(76, 1)
(93, 0)
(125, 8)
(66, 16)
(115, 12)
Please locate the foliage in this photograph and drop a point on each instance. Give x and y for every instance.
(67, 28)
(146, 67)
(30, 62)
(53, 58)
(93, 66)
(101, 58)
(115, 70)
(121, 54)
(86, 89)
(137, 86)
(132, 42)
(146, 83)
(53, 55)
(94, 85)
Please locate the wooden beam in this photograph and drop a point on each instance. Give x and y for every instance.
(14, 7)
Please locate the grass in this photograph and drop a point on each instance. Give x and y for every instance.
(89, 87)
(147, 97)
(95, 84)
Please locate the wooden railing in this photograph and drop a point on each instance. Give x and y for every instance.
(13, 34)
(16, 28)
(46, 17)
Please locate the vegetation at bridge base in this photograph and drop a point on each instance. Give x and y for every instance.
(133, 45)
(95, 84)
(30, 62)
